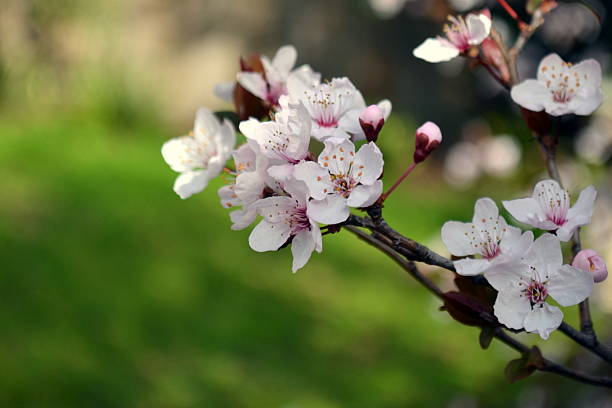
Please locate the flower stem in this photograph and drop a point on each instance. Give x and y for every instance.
(401, 178)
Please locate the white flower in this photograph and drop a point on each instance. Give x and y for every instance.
(277, 71)
(562, 88)
(487, 235)
(286, 218)
(284, 140)
(341, 179)
(549, 209)
(524, 288)
(461, 36)
(334, 107)
(201, 155)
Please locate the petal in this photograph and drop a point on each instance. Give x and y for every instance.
(274, 209)
(365, 196)
(206, 124)
(532, 95)
(456, 237)
(511, 308)
(268, 236)
(506, 276)
(337, 157)
(471, 267)
(228, 196)
(486, 214)
(545, 253)
(528, 211)
(368, 164)
(315, 177)
(254, 83)
(225, 91)
(435, 50)
(242, 218)
(582, 210)
(281, 172)
(302, 246)
(543, 320)
(331, 210)
(316, 236)
(285, 58)
(569, 285)
(190, 183)
(550, 65)
(514, 244)
(178, 154)
(479, 27)
(385, 106)
(249, 186)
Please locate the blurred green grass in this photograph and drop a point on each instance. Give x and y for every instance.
(116, 293)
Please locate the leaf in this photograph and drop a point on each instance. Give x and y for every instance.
(478, 287)
(525, 366)
(468, 309)
(486, 336)
(229, 115)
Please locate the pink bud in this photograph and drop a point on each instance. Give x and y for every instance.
(372, 120)
(589, 260)
(428, 138)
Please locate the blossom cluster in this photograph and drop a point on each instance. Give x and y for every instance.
(525, 271)
(275, 174)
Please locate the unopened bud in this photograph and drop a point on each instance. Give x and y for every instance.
(495, 58)
(589, 260)
(428, 138)
(371, 120)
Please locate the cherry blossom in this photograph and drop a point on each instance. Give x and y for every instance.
(271, 86)
(590, 261)
(525, 286)
(371, 121)
(549, 209)
(428, 138)
(461, 35)
(334, 107)
(562, 88)
(488, 235)
(284, 140)
(286, 218)
(201, 155)
(341, 179)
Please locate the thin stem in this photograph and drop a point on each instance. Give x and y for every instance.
(511, 12)
(410, 267)
(587, 341)
(401, 178)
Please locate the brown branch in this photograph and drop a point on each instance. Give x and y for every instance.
(410, 267)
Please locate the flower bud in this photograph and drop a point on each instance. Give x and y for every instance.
(428, 138)
(495, 58)
(371, 120)
(589, 260)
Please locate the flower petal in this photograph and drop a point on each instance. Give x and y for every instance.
(543, 320)
(285, 58)
(456, 237)
(302, 246)
(528, 211)
(249, 186)
(337, 157)
(254, 83)
(242, 218)
(532, 95)
(268, 236)
(479, 27)
(365, 196)
(471, 267)
(225, 91)
(368, 164)
(331, 210)
(545, 254)
(550, 65)
(511, 308)
(582, 210)
(435, 50)
(190, 183)
(315, 177)
(570, 286)
(486, 214)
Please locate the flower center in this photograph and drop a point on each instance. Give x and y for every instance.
(556, 204)
(343, 184)
(457, 33)
(536, 292)
(298, 220)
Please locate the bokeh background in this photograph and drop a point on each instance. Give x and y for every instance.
(116, 293)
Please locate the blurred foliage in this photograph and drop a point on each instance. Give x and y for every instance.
(116, 293)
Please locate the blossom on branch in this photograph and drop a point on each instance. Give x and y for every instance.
(334, 107)
(200, 155)
(561, 88)
(488, 235)
(286, 218)
(590, 261)
(341, 179)
(461, 35)
(549, 209)
(525, 286)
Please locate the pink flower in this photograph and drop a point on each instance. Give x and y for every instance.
(549, 209)
(561, 88)
(461, 36)
(428, 138)
(590, 261)
(372, 120)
